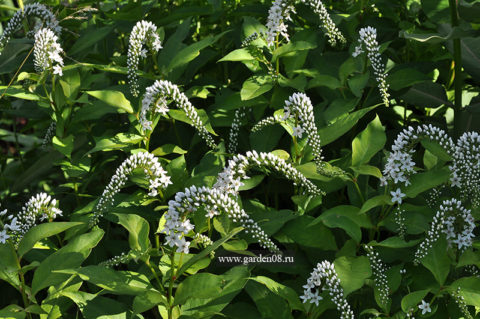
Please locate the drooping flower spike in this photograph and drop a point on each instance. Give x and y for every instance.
(460, 301)
(368, 38)
(47, 139)
(230, 179)
(379, 274)
(299, 108)
(38, 10)
(143, 38)
(234, 130)
(400, 165)
(331, 29)
(465, 168)
(156, 100)
(177, 225)
(47, 52)
(40, 207)
(453, 220)
(324, 278)
(280, 12)
(157, 176)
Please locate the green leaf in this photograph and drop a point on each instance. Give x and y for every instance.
(64, 145)
(70, 256)
(281, 154)
(469, 289)
(303, 232)
(242, 54)
(436, 149)
(471, 56)
(280, 290)
(405, 77)
(115, 282)
(266, 139)
(207, 251)
(358, 82)
(92, 35)
(189, 53)
(120, 141)
(255, 86)
(210, 283)
(148, 300)
(367, 170)
(113, 98)
(40, 232)
(426, 94)
(269, 304)
(342, 125)
(168, 149)
(13, 312)
(376, 201)
(41, 167)
(352, 272)
(18, 92)
(93, 306)
(411, 300)
(436, 10)
(424, 181)
(180, 115)
(252, 182)
(396, 242)
(437, 261)
(434, 38)
(70, 83)
(292, 47)
(347, 218)
(368, 142)
(138, 229)
(232, 283)
(8, 265)
(326, 80)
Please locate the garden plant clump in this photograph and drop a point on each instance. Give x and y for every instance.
(240, 159)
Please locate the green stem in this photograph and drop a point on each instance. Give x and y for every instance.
(358, 190)
(22, 279)
(179, 264)
(147, 262)
(170, 285)
(457, 58)
(52, 103)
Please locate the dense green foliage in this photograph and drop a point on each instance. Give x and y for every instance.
(325, 192)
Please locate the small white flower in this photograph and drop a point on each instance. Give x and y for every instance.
(57, 69)
(13, 226)
(3, 236)
(425, 307)
(298, 131)
(397, 196)
(182, 247)
(315, 298)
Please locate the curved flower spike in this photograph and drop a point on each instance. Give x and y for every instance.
(325, 277)
(215, 201)
(36, 10)
(149, 163)
(143, 33)
(156, 100)
(230, 179)
(47, 52)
